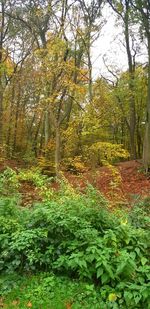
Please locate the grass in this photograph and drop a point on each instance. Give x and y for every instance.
(46, 291)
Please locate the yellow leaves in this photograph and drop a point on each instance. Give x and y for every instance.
(57, 71)
(110, 151)
(112, 297)
(75, 165)
(105, 153)
(38, 12)
(124, 222)
(7, 65)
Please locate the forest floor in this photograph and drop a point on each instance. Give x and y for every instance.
(123, 182)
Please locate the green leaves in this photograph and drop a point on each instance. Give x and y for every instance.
(100, 272)
(76, 234)
(143, 260)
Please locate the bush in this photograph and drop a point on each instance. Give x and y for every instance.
(9, 184)
(76, 235)
(140, 214)
(101, 153)
(74, 165)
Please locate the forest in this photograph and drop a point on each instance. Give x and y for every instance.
(74, 154)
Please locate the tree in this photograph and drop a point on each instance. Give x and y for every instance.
(142, 10)
(91, 14)
(123, 10)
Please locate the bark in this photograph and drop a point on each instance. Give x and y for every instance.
(139, 138)
(1, 82)
(90, 83)
(57, 151)
(16, 124)
(46, 128)
(34, 145)
(146, 146)
(1, 114)
(10, 122)
(132, 121)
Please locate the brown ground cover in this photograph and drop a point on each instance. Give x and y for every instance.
(124, 182)
(120, 183)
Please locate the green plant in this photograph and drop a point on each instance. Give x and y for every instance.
(75, 234)
(34, 176)
(40, 181)
(9, 183)
(140, 213)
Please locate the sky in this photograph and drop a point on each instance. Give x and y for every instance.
(109, 45)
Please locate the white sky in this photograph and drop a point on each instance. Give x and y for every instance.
(109, 45)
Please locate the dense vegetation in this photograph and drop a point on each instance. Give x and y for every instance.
(80, 252)
(53, 109)
(72, 248)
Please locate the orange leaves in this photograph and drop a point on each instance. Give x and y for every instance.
(2, 302)
(15, 302)
(29, 304)
(68, 306)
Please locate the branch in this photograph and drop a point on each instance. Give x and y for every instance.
(115, 10)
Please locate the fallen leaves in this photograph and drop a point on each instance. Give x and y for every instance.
(68, 306)
(2, 305)
(15, 302)
(1, 302)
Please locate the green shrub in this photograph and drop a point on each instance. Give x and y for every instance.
(140, 213)
(33, 176)
(76, 235)
(9, 183)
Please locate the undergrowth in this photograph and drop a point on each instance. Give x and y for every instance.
(73, 237)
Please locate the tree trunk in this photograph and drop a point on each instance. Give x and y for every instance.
(131, 65)
(34, 145)
(46, 128)
(1, 77)
(146, 146)
(10, 121)
(57, 151)
(16, 124)
(90, 84)
(1, 115)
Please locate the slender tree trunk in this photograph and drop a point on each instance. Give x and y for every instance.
(41, 139)
(146, 146)
(1, 114)
(132, 121)
(46, 128)
(30, 132)
(34, 145)
(57, 151)
(1, 77)
(16, 123)
(90, 85)
(9, 150)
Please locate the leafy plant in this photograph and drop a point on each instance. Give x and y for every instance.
(9, 183)
(76, 234)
